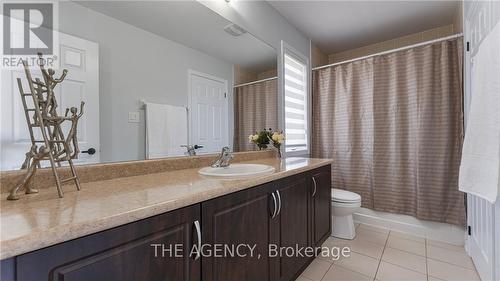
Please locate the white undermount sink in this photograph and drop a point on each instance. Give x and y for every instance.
(237, 171)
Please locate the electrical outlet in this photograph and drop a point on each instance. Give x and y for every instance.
(134, 117)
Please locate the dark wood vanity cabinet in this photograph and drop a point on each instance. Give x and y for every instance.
(321, 219)
(286, 214)
(289, 229)
(290, 212)
(121, 253)
(240, 218)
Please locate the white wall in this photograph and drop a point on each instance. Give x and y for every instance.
(134, 64)
(263, 21)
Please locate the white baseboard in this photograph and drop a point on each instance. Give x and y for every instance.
(448, 233)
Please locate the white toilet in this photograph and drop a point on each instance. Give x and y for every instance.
(344, 204)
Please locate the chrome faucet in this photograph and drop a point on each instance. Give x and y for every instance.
(191, 149)
(224, 159)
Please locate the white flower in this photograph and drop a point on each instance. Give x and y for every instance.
(277, 137)
(253, 138)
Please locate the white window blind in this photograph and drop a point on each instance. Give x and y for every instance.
(295, 105)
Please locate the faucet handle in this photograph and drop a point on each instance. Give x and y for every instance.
(222, 158)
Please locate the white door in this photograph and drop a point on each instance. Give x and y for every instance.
(81, 58)
(484, 224)
(208, 112)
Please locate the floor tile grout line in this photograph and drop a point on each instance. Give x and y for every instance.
(426, 263)
(361, 254)
(386, 231)
(405, 251)
(410, 240)
(365, 255)
(383, 250)
(444, 248)
(437, 278)
(403, 267)
(409, 234)
(323, 277)
(455, 265)
(368, 255)
(369, 242)
(304, 277)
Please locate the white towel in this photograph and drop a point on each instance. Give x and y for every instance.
(480, 166)
(166, 130)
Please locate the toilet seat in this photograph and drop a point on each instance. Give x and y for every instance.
(344, 196)
(346, 204)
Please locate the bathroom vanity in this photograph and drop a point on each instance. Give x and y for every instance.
(108, 231)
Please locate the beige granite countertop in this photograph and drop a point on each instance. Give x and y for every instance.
(41, 220)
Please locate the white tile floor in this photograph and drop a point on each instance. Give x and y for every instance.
(385, 255)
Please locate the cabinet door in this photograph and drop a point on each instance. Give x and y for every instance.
(321, 204)
(238, 219)
(290, 229)
(121, 253)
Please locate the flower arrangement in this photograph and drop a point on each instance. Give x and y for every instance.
(265, 137)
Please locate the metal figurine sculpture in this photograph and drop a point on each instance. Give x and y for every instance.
(72, 137)
(31, 163)
(56, 147)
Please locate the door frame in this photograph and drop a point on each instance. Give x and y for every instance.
(192, 73)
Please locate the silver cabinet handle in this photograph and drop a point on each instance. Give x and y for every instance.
(315, 186)
(198, 233)
(275, 209)
(279, 201)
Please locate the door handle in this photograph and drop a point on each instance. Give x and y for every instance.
(198, 234)
(275, 209)
(196, 146)
(279, 201)
(90, 151)
(315, 186)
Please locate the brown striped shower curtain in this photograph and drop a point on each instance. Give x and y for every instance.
(393, 125)
(255, 109)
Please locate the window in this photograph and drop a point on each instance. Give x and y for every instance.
(296, 104)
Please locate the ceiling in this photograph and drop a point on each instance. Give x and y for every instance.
(191, 24)
(336, 26)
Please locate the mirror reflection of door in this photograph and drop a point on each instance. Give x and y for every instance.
(130, 53)
(208, 112)
(81, 58)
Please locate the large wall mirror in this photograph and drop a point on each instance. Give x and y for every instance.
(154, 76)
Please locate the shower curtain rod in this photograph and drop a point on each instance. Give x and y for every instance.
(392, 51)
(255, 82)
